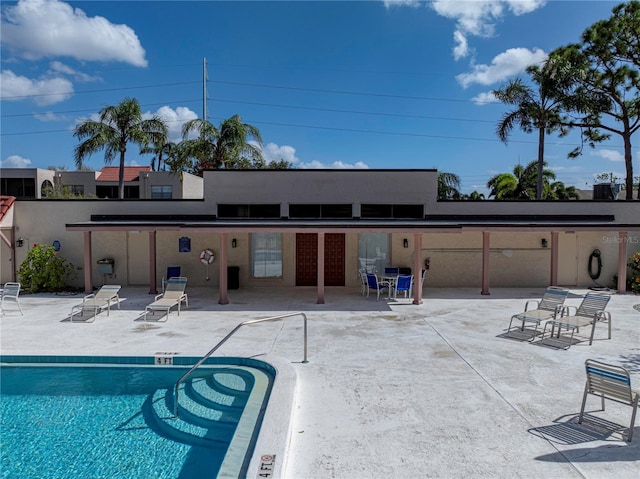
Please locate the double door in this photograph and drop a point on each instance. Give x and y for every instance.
(307, 259)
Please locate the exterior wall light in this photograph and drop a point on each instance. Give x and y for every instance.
(405, 243)
(234, 243)
(20, 242)
(544, 242)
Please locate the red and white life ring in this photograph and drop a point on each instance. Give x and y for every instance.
(207, 256)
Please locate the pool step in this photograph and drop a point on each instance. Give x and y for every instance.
(210, 406)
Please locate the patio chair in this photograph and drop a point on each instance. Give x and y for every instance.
(612, 383)
(362, 274)
(376, 285)
(403, 283)
(98, 301)
(590, 312)
(10, 292)
(172, 272)
(549, 307)
(174, 295)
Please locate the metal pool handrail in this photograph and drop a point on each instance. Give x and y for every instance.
(224, 340)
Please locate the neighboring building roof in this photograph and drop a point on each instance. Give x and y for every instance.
(131, 173)
(5, 204)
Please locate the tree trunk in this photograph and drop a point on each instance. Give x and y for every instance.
(629, 164)
(540, 162)
(121, 176)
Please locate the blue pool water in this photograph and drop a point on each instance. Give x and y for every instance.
(114, 420)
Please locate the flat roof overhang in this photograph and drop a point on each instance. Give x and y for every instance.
(440, 224)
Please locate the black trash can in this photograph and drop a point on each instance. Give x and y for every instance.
(233, 277)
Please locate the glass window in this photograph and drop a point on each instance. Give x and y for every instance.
(373, 252)
(248, 211)
(77, 189)
(161, 192)
(266, 255)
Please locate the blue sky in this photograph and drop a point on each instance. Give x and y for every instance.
(367, 84)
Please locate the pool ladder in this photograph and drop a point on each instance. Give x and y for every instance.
(224, 340)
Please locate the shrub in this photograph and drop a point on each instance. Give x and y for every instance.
(634, 264)
(44, 270)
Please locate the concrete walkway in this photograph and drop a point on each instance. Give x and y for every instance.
(391, 390)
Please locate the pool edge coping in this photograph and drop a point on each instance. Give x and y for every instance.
(275, 432)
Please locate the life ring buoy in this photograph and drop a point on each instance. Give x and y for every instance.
(595, 255)
(207, 256)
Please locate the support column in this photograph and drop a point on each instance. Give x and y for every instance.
(320, 268)
(485, 263)
(553, 281)
(417, 268)
(223, 288)
(622, 261)
(153, 288)
(88, 286)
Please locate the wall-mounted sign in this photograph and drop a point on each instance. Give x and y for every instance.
(184, 245)
(56, 246)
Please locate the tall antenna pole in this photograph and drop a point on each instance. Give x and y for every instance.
(204, 89)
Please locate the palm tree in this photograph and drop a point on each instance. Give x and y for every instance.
(521, 184)
(159, 151)
(448, 186)
(474, 196)
(222, 147)
(116, 127)
(539, 110)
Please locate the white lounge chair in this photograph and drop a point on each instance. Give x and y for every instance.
(590, 312)
(612, 383)
(173, 295)
(10, 292)
(98, 301)
(549, 307)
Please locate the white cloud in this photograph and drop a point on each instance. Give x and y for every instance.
(273, 152)
(336, 165)
(174, 120)
(15, 161)
(611, 155)
(44, 91)
(59, 67)
(461, 49)
(478, 17)
(36, 29)
(401, 3)
(504, 65)
(484, 98)
(50, 116)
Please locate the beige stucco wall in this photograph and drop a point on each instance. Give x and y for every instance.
(85, 178)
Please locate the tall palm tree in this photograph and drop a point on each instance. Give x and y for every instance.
(540, 109)
(222, 147)
(117, 126)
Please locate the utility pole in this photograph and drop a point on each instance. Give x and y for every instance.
(204, 88)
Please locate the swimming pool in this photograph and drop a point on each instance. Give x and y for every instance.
(111, 417)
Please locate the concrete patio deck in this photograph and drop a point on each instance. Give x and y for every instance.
(391, 390)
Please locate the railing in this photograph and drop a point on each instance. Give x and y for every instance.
(224, 340)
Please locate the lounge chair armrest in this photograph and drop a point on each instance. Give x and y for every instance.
(526, 305)
(603, 314)
(566, 310)
(158, 296)
(88, 296)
